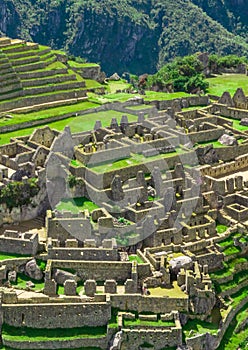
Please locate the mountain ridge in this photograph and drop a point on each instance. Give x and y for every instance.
(129, 36)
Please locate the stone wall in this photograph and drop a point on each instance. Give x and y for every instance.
(159, 338)
(97, 270)
(87, 254)
(140, 303)
(19, 243)
(60, 315)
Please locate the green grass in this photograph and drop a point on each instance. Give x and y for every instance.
(76, 204)
(221, 228)
(233, 339)
(227, 82)
(5, 256)
(77, 124)
(140, 107)
(48, 113)
(194, 327)
(135, 159)
(75, 64)
(161, 96)
(113, 86)
(22, 279)
(34, 335)
(237, 279)
(135, 257)
(232, 250)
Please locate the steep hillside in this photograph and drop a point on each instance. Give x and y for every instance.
(134, 36)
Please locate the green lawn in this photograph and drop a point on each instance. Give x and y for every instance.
(233, 339)
(194, 327)
(34, 335)
(236, 124)
(221, 228)
(227, 82)
(75, 64)
(135, 257)
(22, 279)
(231, 250)
(77, 124)
(48, 113)
(135, 159)
(140, 107)
(76, 204)
(161, 96)
(113, 86)
(5, 256)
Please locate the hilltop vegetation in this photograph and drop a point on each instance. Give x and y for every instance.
(135, 36)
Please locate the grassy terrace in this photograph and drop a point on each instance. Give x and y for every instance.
(227, 82)
(234, 339)
(135, 257)
(76, 204)
(228, 269)
(123, 96)
(5, 256)
(194, 327)
(22, 279)
(77, 124)
(135, 159)
(75, 64)
(237, 279)
(34, 335)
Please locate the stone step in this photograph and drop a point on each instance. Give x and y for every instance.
(5, 66)
(14, 80)
(42, 106)
(30, 67)
(30, 101)
(28, 54)
(25, 61)
(13, 86)
(8, 76)
(11, 95)
(50, 61)
(51, 80)
(3, 60)
(14, 48)
(42, 74)
(61, 87)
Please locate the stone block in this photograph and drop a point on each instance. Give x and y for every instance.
(130, 286)
(70, 287)
(90, 288)
(110, 286)
(50, 288)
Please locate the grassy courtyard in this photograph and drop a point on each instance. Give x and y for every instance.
(76, 204)
(77, 124)
(227, 82)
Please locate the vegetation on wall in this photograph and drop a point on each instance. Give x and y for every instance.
(17, 193)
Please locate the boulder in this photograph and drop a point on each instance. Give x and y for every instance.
(33, 271)
(60, 276)
(244, 122)
(228, 140)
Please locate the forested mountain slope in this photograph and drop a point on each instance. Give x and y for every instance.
(123, 35)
